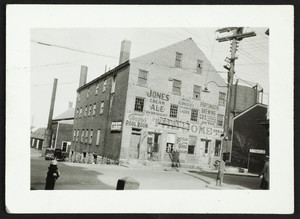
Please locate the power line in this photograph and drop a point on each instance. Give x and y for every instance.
(76, 50)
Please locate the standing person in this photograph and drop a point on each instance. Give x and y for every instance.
(265, 175)
(221, 169)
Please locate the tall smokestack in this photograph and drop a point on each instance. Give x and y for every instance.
(83, 75)
(125, 51)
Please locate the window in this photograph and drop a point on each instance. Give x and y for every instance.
(97, 89)
(178, 59)
(94, 109)
(196, 92)
(91, 136)
(222, 99)
(77, 136)
(139, 104)
(74, 135)
(85, 111)
(104, 86)
(173, 110)
(88, 93)
(192, 144)
(98, 138)
(176, 86)
(80, 112)
(217, 148)
(111, 101)
(86, 135)
(171, 138)
(194, 115)
(64, 146)
(78, 96)
(113, 85)
(90, 109)
(82, 135)
(142, 79)
(101, 107)
(77, 113)
(220, 120)
(199, 66)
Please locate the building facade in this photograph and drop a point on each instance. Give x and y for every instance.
(151, 105)
(37, 138)
(61, 128)
(249, 139)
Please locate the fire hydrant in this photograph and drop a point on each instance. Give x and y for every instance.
(52, 175)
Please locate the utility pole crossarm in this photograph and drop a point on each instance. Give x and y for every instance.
(236, 36)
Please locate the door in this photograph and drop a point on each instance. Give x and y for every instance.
(135, 146)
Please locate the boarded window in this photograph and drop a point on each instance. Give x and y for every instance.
(98, 138)
(86, 135)
(91, 136)
(196, 92)
(176, 86)
(113, 85)
(97, 89)
(104, 86)
(90, 110)
(142, 79)
(178, 59)
(139, 104)
(94, 109)
(82, 136)
(85, 111)
(173, 110)
(101, 107)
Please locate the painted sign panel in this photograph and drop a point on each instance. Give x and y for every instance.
(136, 121)
(116, 126)
(257, 151)
(157, 103)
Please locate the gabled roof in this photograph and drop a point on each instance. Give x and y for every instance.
(67, 115)
(250, 108)
(39, 133)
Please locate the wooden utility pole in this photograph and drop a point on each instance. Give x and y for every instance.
(48, 133)
(237, 35)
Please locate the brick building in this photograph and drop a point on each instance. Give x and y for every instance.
(151, 105)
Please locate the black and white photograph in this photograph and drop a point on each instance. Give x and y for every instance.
(187, 111)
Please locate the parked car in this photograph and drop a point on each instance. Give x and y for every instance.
(59, 154)
(49, 153)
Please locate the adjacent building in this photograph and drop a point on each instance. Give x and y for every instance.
(61, 127)
(37, 138)
(249, 139)
(151, 105)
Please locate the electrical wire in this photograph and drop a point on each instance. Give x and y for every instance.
(76, 50)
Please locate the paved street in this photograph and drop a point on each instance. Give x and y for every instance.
(77, 176)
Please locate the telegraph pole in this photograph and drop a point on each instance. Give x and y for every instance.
(48, 132)
(237, 35)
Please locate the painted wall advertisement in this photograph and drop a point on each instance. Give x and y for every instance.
(157, 103)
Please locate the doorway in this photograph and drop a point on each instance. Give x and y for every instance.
(135, 144)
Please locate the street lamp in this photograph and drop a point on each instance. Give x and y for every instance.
(205, 90)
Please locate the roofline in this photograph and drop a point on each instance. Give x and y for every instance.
(104, 75)
(250, 108)
(58, 120)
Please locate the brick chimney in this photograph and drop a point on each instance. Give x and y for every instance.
(125, 51)
(83, 75)
(70, 104)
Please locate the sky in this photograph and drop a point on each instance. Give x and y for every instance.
(100, 47)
